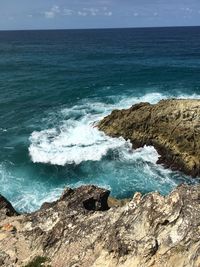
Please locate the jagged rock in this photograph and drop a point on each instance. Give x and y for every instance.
(6, 209)
(150, 230)
(171, 126)
(83, 198)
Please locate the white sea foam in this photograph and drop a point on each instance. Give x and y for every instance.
(77, 139)
(33, 199)
(73, 144)
(146, 154)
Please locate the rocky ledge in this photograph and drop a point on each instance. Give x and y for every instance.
(81, 230)
(171, 126)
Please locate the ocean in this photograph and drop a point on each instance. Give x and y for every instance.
(54, 88)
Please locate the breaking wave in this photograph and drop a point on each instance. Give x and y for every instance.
(76, 138)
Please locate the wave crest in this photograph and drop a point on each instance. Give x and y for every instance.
(76, 139)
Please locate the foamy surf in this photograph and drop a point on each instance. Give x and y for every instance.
(88, 156)
(72, 145)
(76, 139)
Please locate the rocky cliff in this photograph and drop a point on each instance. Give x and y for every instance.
(81, 230)
(171, 126)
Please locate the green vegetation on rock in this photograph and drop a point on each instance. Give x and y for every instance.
(37, 262)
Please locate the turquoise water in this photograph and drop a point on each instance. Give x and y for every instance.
(56, 85)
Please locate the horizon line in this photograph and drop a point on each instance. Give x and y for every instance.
(106, 28)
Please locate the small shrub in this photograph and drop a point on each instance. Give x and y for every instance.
(37, 262)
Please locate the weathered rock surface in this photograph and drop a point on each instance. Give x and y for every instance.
(6, 209)
(79, 230)
(171, 126)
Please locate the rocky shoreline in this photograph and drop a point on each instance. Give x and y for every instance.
(87, 228)
(171, 126)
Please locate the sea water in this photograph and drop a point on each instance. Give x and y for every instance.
(54, 88)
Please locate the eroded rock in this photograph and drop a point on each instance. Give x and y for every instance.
(171, 126)
(150, 230)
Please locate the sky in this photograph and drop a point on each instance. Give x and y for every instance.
(78, 14)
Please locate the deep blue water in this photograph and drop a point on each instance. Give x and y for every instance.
(55, 85)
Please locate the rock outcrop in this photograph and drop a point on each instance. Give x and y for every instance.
(6, 209)
(81, 230)
(171, 126)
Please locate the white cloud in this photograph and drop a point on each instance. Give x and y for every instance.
(82, 13)
(86, 11)
(67, 12)
(55, 9)
(91, 11)
(109, 13)
(187, 9)
(50, 14)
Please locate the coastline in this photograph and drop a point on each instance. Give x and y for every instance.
(85, 227)
(171, 126)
